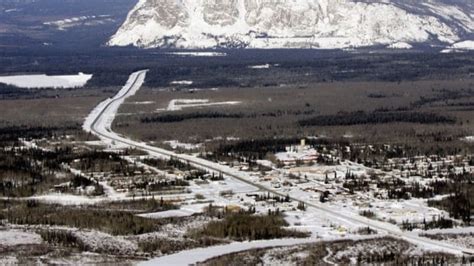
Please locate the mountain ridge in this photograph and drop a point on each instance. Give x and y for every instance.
(293, 24)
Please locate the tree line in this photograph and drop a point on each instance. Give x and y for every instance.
(361, 118)
(173, 118)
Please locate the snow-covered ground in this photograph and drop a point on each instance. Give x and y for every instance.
(181, 82)
(67, 199)
(311, 183)
(110, 194)
(174, 144)
(465, 45)
(322, 24)
(99, 123)
(16, 237)
(413, 210)
(293, 154)
(400, 45)
(193, 256)
(180, 104)
(468, 138)
(320, 225)
(45, 81)
(266, 66)
(72, 200)
(198, 54)
(460, 47)
(12, 10)
(167, 214)
(67, 23)
(143, 103)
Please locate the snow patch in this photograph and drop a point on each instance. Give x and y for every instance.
(294, 154)
(15, 237)
(468, 139)
(400, 45)
(174, 144)
(198, 54)
(180, 104)
(460, 47)
(266, 66)
(12, 10)
(143, 103)
(181, 82)
(64, 24)
(67, 199)
(465, 45)
(168, 214)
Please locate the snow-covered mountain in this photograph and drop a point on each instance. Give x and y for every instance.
(295, 23)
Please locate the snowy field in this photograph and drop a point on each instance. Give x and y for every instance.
(45, 81)
(174, 144)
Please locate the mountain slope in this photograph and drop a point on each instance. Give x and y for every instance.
(293, 23)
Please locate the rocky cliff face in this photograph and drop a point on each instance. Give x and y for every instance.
(293, 23)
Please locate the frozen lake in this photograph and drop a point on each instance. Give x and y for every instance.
(45, 81)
